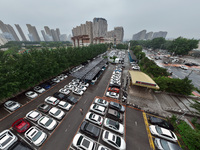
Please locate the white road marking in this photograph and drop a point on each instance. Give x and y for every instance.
(85, 101)
(135, 123)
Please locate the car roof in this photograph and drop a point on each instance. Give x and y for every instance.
(33, 114)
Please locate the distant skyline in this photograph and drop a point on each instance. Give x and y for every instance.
(177, 17)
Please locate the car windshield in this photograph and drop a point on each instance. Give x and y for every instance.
(65, 105)
(57, 112)
(61, 95)
(113, 123)
(164, 144)
(100, 101)
(39, 133)
(158, 129)
(48, 122)
(11, 104)
(118, 141)
(79, 140)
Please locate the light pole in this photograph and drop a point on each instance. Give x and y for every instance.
(178, 119)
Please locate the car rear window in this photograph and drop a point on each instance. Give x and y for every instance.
(106, 134)
(6, 139)
(86, 143)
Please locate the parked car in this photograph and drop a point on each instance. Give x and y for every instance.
(115, 82)
(112, 95)
(44, 108)
(69, 87)
(163, 133)
(64, 91)
(12, 105)
(115, 85)
(82, 142)
(84, 84)
(21, 125)
(60, 77)
(35, 136)
(90, 129)
(33, 115)
(113, 89)
(94, 118)
(115, 115)
(161, 144)
(45, 85)
(39, 89)
(56, 113)
(31, 94)
(136, 68)
(7, 139)
(117, 106)
(47, 122)
(77, 91)
(60, 96)
(56, 80)
(160, 122)
(82, 88)
(20, 146)
(51, 100)
(114, 140)
(114, 125)
(64, 105)
(98, 109)
(101, 102)
(72, 100)
(101, 147)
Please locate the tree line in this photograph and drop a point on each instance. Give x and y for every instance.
(178, 46)
(19, 72)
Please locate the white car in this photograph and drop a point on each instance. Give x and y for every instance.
(101, 102)
(65, 91)
(114, 125)
(12, 105)
(51, 100)
(35, 136)
(56, 80)
(64, 75)
(61, 77)
(101, 147)
(112, 95)
(94, 118)
(184, 67)
(76, 80)
(39, 89)
(56, 113)
(34, 115)
(84, 84)
(98, 109)
(64, 105)
(69, 87)
(82, 142)
(77, 91)
(47, 122)
(31, 94)
(114, 140)
(7, 138)
(163, 133)
(115, 82)
(136, 68)
(81, 87)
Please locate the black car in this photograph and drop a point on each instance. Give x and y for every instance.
(117, 106)
(90, 129)
(46, 85)
(115, 85)
(20, 146)
(60, 96)
(160, 122)
(51, 82)
(44, 108)
(72, 100)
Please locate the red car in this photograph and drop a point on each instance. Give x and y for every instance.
(21, 125)
(113, 89)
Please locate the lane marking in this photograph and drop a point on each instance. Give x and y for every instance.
(148, 131)
(135, 123)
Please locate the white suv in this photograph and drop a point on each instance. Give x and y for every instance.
(7, 138)
(52, 100)
(98, 109)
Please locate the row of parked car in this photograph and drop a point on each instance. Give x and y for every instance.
(115, 83)
(97, 117)
(163, 130)
(46, 116)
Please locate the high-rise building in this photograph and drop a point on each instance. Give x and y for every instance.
(8, 32)
(54, 35)
(33, 34)
(63, 37)
(140, 35)
(48, 30)
(119, 34)
(58, 33)
(3, 40)
(149, 35)
(21, 32)
(99, 27)
(159, 34)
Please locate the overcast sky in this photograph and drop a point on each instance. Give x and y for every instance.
(177, 17)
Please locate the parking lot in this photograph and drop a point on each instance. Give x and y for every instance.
(136, 134)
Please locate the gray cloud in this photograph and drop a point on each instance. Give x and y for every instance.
(177, 17)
